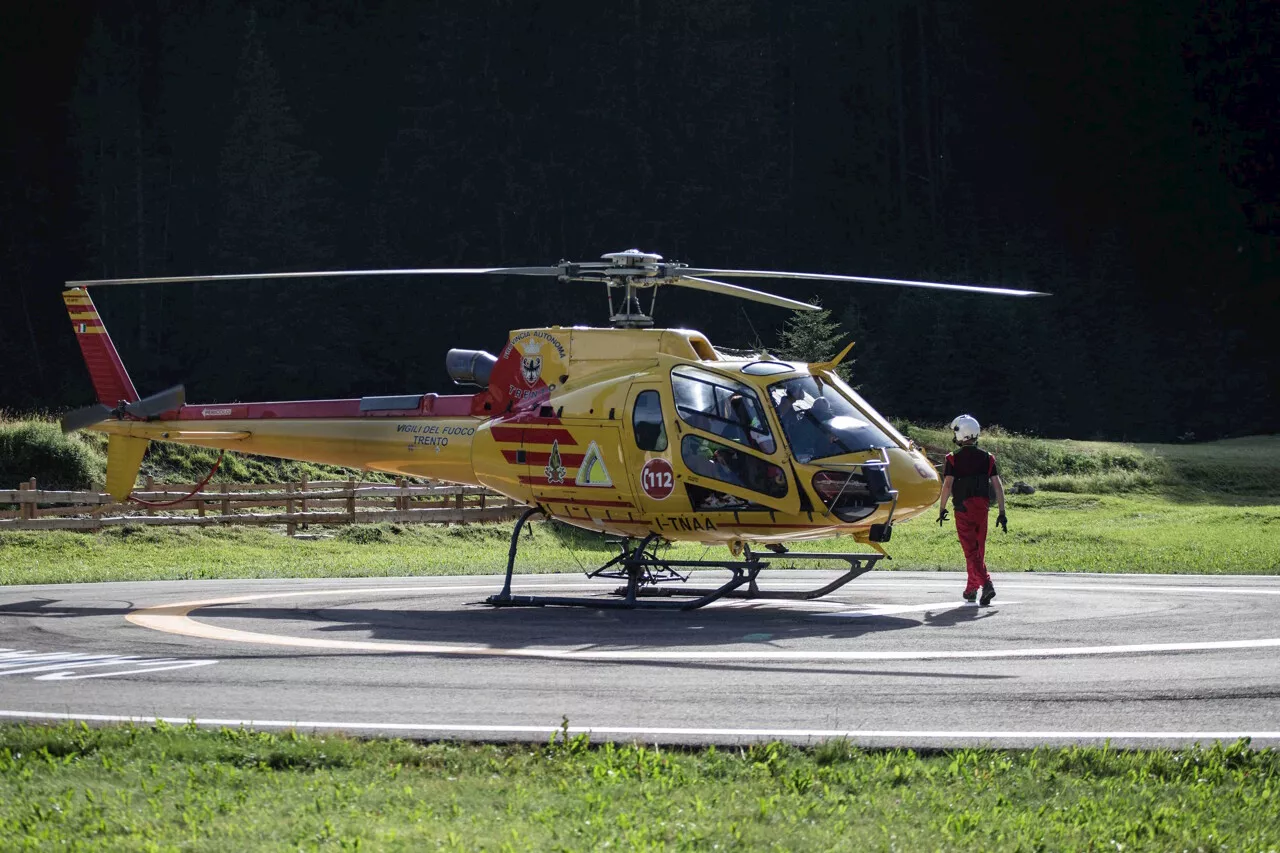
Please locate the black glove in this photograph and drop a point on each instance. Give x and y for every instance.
(1002, 521)
(942, 515)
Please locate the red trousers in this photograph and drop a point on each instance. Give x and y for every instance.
(971, 527)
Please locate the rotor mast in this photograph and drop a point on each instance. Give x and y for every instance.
(632, 270)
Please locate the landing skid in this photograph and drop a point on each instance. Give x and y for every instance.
(644, 570)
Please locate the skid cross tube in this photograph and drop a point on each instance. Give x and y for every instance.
(643, 570)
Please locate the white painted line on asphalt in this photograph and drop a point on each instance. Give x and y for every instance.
(60, 666)
(77, 663)
(143, 668)
(1086, 586)
(176, 619)
(891, 609)
(426, 728)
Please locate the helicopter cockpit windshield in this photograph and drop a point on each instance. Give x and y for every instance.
(820, 422)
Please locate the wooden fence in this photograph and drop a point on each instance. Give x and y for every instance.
(288, 504)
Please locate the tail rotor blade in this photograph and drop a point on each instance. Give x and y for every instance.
(85, 417)
(156, 404)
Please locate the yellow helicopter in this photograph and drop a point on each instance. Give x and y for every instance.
(650, 434)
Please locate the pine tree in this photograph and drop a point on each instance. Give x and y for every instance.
(811, 336)
(272, 204)
(269, 182)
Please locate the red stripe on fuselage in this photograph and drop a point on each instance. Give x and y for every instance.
(542, 457)
(586, 502)
(531, 480)
(532, 435)
(768, 524)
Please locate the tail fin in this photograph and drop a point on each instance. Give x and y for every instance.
(111, 381)
(124, 458)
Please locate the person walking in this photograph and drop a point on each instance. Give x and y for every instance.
(968, 478)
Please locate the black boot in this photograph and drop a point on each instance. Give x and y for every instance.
(970, 596)
(988, 593)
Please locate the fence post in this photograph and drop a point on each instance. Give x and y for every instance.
(25, 508)
(303, 504)
(226, 501)
(402, 501)
(351, 500)
(149, 484)
(290, 526)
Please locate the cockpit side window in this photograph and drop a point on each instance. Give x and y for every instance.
(716, 461)
(722, 407)
(646, 420)
(820, 422)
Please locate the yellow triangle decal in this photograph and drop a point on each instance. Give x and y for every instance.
(592, 471)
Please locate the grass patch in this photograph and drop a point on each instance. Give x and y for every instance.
(1237, 467)
(1049, 532)
(136, 552)
(1138, 533)
(166, 787)
(39, 449)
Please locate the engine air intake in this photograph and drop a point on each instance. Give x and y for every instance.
(470, 366)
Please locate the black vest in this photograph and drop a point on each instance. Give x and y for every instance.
(971, 474)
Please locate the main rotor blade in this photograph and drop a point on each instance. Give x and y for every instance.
(179, 279)
(85, 417)
(742, 293)
(165, 401)
(810, 276)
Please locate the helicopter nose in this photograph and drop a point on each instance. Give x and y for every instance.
(916, 481)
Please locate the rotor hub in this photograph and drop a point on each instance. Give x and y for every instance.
(632, 263)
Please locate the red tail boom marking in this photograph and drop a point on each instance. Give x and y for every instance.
(110, 380)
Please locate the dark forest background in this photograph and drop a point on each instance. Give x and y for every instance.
(1119, 155)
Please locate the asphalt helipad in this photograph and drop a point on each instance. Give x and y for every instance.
(894, 658)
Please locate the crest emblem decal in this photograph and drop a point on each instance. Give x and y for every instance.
(531, 363)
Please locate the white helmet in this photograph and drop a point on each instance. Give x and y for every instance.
(965, 428)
